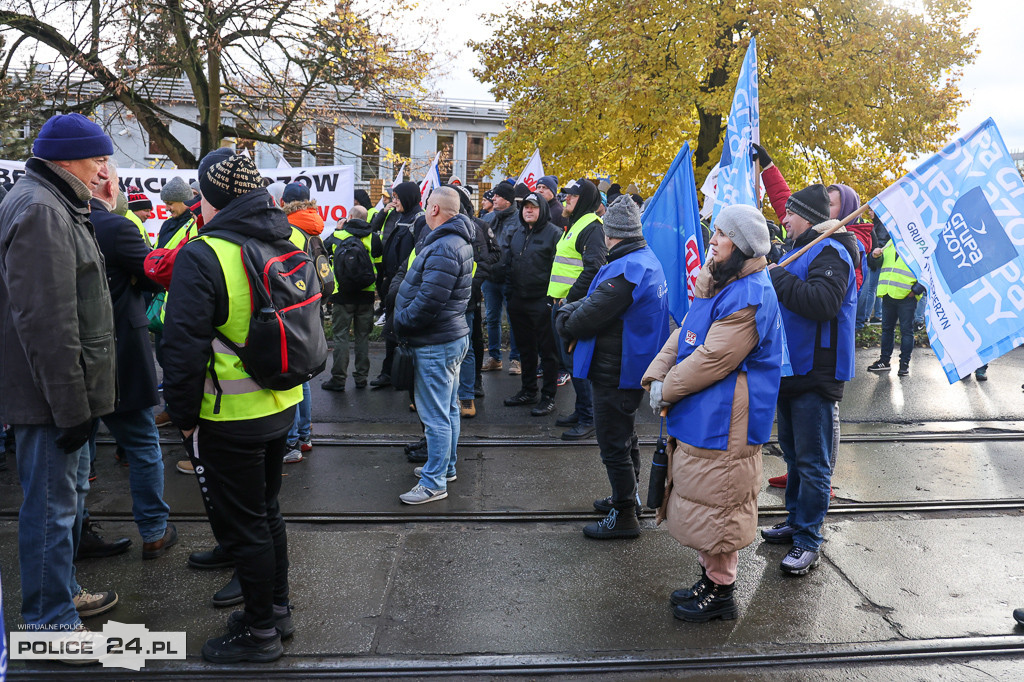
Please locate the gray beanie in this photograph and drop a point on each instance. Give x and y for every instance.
(176, 190)
(746, 228)
(622, 219)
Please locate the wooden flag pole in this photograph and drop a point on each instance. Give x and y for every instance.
(824, 235)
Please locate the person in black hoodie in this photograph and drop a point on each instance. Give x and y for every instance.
(235, 435)
(398, 244)
(526, 262)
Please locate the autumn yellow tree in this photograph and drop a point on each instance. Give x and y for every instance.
(256, 69)
(848, 88)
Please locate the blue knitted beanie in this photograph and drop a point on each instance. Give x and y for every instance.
(66, 137)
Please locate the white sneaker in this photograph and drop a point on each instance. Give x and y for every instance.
(185, 466)
(418, 471)
(380, 320)
(293, 456)
(421, 495)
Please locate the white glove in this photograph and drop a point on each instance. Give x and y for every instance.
(656, 402)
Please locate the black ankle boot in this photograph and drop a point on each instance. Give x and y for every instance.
(716, 602)
(698, 589)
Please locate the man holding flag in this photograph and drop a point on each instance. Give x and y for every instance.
(818, 296)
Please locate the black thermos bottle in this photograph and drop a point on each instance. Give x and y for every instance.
(659, 471)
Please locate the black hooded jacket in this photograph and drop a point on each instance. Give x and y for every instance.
(590, 242)
(197, 302)
(527, 255)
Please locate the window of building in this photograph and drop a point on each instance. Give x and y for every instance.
(292, 135)
(370, 155)
(402, 147)
(325, 146)
(445, 145)
(474, 157)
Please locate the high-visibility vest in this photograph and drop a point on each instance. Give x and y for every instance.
(342, 235)
(130, 215)
(568, 263)
(895, 278)
(229, 393)
(370, 213)
(185, 233)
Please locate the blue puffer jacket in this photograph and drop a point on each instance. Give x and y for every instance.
(431, 304)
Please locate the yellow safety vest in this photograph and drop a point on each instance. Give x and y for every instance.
(895, 278)
(184, 234)
(367, 241)
(568, 263)
(370, 213)
(229, 393)
(130, 215)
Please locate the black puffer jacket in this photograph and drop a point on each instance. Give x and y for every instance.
(527, 256)
(430, 307)
(502, 223)
(600, 315)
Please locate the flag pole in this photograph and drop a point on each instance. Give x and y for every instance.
(824, 235)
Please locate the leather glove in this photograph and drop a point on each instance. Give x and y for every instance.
(656, 402)
(74, 437)
(762, 155)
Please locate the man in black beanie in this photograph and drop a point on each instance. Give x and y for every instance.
(818, 298)
(234, 431)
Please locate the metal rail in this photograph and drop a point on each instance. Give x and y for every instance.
(349, 667)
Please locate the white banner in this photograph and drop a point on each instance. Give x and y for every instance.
(331, 186)
(533, 172)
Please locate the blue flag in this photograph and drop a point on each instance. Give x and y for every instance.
(736, 177)
(958, 223)
(671, 225)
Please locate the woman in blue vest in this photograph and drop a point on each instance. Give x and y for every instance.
(719, 377)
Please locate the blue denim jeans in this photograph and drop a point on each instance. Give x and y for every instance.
(806, 425)
(302, 427)
(866, 297)
(49, 524)
(467, 373)
(136, 432)
(901, 309)
(584, 407)
(919, 311)
(494, 299)
(437, 402)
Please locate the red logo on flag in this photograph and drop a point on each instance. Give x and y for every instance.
(692, 266)
(691, 337)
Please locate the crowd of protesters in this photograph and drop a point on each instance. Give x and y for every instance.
(586, 302)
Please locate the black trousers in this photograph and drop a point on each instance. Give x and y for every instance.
(531, 325)
(614, 423)
(240, 482)
(478, 341)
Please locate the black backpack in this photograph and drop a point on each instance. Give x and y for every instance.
(286, 346)
(353, 269)
(322, 262)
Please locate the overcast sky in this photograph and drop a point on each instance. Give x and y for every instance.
(994, 84)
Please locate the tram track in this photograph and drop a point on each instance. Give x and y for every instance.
(861, 655)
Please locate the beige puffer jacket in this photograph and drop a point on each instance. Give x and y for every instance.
(711, 495)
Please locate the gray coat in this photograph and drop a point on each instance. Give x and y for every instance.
(57, 359)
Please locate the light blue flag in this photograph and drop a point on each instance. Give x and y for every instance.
(736, 176)
(958, 222)
(671, 225)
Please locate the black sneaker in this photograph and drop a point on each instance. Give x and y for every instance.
(210, 559)
(715, 602)
(93, 546)
(418, 456)
(418, 445)
(616, 525)
(880, 366)
(333, 384)
(521, 398)
(604, 505)
(904, 369)
(285, 626)
(545, 407)
(578, 432)
(571, 420)
(243, 646)
(381, 381)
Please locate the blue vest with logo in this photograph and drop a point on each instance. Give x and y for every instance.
(703, 419)
(805, 335)
(644, 324)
